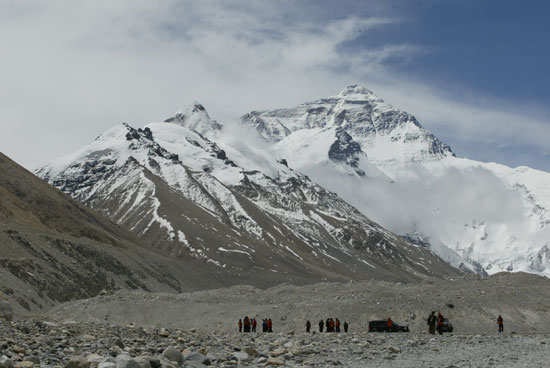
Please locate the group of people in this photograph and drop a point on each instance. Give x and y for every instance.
(333, 325)
(250, 324)
(440, 322)
(433, 320)
(330, 325)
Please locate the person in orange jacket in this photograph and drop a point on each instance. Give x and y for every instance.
(390, 324)
(440, 321)
(500, 322)
(337, 325)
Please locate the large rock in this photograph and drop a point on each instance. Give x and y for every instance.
(106, 365)
(278, 352)
(143, 361)
(241, 356)
(78, 362)
(6, 311)
(173, 354)
(126, 361)
(197, 359)
(94, 360)
(24, 364)
(32, 358)
(275, 361)
(251, 352)
(165, 363)
(394, 349)
(5, 362)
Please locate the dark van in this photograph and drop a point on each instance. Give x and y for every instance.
(382, 326)
(447, 326)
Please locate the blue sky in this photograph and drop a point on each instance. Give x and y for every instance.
(494, 47)
(476, 73)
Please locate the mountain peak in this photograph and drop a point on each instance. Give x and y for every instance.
(195, 117)
(356, 90)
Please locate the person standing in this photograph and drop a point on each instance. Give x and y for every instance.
(308, 326)
(331, 325)
(240, 325)
(440, 321)
(337, 324)
(264, 325)
(254, 323)
(500, 322)
(269, 325)
(346, 327)
(389, 324)
(321, 323)
(246, 324)
(327, 325)
(432, 319)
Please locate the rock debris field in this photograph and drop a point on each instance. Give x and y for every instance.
(140, 329)
(37, 343)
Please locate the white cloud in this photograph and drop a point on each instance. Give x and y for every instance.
(71, 70)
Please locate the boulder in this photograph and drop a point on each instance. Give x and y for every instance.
(241, 356)
(394, 349)
(32, 358)
(165, 363)
(196, 357)
(87, 337)
(18, 349)
(143, 361)
(5, 362)
(106, 365)
(174, 355)
(252, 352)
(24, 364)
(78, 362)
(94, 360)
(126, 361)
(275, 361)
(278, 352)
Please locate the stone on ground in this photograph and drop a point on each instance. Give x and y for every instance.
(78, 362)
(173, 354)
(275, 361)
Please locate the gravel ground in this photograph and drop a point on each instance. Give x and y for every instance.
(471, 303)
(34, 342)
(140, 329)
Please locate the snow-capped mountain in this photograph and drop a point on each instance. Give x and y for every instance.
(481, 216)
(186, 187)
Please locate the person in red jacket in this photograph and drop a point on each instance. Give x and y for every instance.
(254, 323)
(240, 325)
(500, 322)
(440, 321)
(269, 325)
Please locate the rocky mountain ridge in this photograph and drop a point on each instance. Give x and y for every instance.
(54, 249)
(179, 186)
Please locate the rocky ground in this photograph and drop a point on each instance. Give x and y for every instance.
(33, 342)
(471, 303)
(140, 329)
